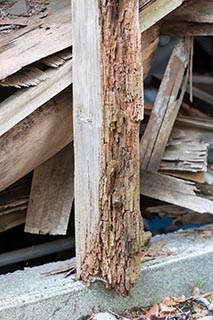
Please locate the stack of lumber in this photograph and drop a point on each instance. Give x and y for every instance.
(36, 113)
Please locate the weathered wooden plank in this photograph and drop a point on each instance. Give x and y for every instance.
(35, 139)
(155, 11)
(185, 156)
(49, 35)
(52, 194)
(194, 11)
(165, 108)
(107, 69)
(25, 101)
(191, 176)
(186, 28)
(174, 191)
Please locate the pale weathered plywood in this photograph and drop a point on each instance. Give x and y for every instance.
(35, 139)
(51, 195)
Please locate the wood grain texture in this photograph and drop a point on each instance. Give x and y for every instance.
(45, 37)
(155, 11)
(25, 101)
(52, 194)
(166, 107)
(175, 191)
(35, 139)
(194, 11)
(107, 69)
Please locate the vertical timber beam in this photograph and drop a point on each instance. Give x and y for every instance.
(107, 97)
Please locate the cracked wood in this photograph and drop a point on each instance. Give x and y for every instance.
(107, 70)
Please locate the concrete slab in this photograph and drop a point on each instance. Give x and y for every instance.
(31, 295)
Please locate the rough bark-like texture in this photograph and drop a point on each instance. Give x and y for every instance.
(115, 254)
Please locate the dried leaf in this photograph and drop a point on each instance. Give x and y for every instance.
(154, 311)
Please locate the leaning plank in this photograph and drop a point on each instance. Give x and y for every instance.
(41, 39)
(166, 106)
(51, 195)
(107, 69)
(35, 139)
(175, 191)
(155, 11)
(25, 101)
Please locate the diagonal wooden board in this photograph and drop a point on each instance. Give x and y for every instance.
(166, 106)
(52, 194)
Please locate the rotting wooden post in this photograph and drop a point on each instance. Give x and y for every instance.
(107, 95)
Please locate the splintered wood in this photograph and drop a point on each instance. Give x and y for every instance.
(28, 100)
(172, 190)
(42, 37)
(166, 107)
(107, 66)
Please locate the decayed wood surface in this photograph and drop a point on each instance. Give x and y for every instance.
(25, 101)
(51, 195)
(155, 11)
(41, 38)
(174, 191)
(107, 68)
(35, 139)
(166, 107)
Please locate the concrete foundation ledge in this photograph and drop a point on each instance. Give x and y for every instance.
(32, 295)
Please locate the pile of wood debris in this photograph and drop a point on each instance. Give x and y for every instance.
(36, 116)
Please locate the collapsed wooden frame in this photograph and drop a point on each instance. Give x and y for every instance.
(112, 228)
